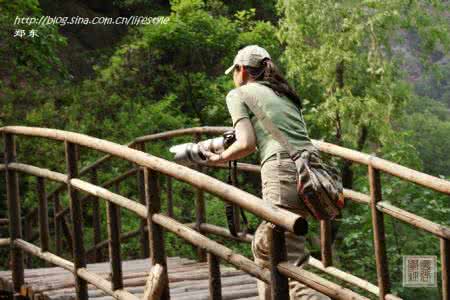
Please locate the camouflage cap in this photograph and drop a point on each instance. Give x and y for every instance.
(249, 56)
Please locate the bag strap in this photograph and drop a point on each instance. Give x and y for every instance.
(252, 103)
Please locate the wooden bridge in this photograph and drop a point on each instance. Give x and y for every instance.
(162, 277)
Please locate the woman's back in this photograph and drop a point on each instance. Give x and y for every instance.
(281, 110)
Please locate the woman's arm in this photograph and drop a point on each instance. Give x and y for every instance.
(244, 145)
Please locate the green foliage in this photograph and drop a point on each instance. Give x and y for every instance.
(339, 54)
(27, 57)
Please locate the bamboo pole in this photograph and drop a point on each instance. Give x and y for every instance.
(279, 287)
(325, 242)
(43, 214)
(378, 233)
(77, 221)
(145, 248)
(215, 286)
(13, 199)
(445, 265)
(156, 234)
(96, 218)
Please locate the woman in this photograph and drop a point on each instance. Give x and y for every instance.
(255, 73)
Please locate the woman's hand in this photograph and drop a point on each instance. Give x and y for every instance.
(210, 156)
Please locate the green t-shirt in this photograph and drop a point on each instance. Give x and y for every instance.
(281, 110)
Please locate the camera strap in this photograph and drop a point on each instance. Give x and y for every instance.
(230, 209)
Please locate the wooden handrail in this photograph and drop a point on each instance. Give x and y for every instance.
(400, 214)
(288, 220)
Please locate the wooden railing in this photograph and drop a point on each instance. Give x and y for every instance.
(148, 168)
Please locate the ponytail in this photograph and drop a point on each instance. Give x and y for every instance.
(270, 73)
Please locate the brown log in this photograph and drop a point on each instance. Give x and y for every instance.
(103, 193)
(67, 233)
(318, 283)
(378, 233)
(199, 207)
(4, 242)
(43, 214)
(325, 242)
(413, 219)
(58, 238)
(445, 265)
(13, 199)
(181, 132)
(169, 197)
(335, 272)
(107, 184)
(77, 220)
(279, 288)
(143, 239)
(215, 285)
(223, 252)
(432, 182)
(104, 285)
(221, 231)
(96, 219)
(155, 231)
(284, 218)
(154, 285)
(47, 256)
(114, 246)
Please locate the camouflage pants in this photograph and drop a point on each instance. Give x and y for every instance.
(278, 178)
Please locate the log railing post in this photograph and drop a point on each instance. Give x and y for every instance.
(325, 242)
(76, 213)
(96, 218)
(169, 197)
(378, 232)
(141, 189)
(445, 266)
(28, 236)
(199, 209)
(114, 245)
(43, 214)
(215, 286)
(15, 226)
(279, 285)
(119, 211)
(236, 208)
(155, 231)
(56, 210)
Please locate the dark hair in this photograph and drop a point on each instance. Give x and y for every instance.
(269, 72)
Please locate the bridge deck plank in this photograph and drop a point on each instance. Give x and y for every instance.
(188, 280)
